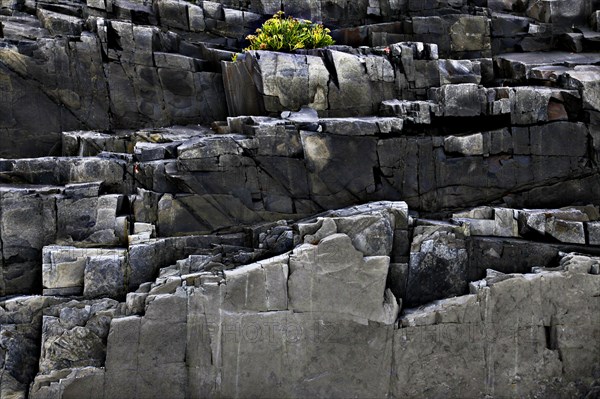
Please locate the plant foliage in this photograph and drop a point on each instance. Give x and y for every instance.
(288, 34)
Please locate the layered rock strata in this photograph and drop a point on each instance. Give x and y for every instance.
(142, 261)
(319, 321)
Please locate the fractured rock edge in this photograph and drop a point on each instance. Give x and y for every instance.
(191, 333)
(527, 333)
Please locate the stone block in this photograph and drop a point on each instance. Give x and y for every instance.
(464, 145)
(470, 33)
(104, 276)
(438, 265)
(566, 231)
(258, 287)
(173, 14)
(594, 233)
(505, 223)
(60, 24)
(461, 100)
(458, 71)
(65, 267)
(315, 271)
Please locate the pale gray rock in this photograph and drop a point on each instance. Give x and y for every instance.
(259, 287)
(85, 382)
(503, 119)
(286, 345)
(556, 222)
(316, 269)
(505, 223)
(136, 302)
(594, 233)
(575, 263)
(566, 231)
(286, 77)
(465, 145)
(331, 82)
(76, 336)
(363, 126)
(70, 268)
(585, 79)
(480, 331)
(370, 234)
(305, 115)
(532, 221)
(483, 212)
(313, 233)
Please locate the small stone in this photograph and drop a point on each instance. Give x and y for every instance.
(593, 233)
(566, 231)
(465, 145)
(104, 277)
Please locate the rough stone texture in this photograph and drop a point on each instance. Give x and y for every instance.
(20, 332)
(37, 216)
(511, 333)
(316, 272)
(106, 79)
(239, 253)
(104, 276)
(251, 307)
(200, 182)
(438, 264)
(66, 269)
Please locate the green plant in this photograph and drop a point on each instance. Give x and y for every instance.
(288, 34)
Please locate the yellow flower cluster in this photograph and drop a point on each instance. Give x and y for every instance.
(288, 34)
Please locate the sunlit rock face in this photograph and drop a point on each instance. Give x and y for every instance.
(411, 212)
(319, 321)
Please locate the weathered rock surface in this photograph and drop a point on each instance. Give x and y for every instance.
(330, 304)
(307, 335)
(269, 169)
(193, 262)
(20, 342)
(504, 336)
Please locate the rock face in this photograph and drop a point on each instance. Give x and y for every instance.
(319, 321)
(412, 212)
(503, 336)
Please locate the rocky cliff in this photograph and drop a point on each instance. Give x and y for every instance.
(413, 212)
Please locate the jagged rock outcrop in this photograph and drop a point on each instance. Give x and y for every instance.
(319, 321)
(230, 256)
(118, 64)
(20, 342)
(278, 170)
